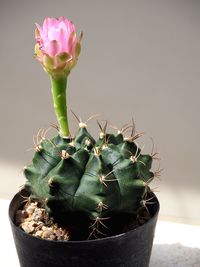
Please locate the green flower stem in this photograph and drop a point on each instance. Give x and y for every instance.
(58, 89)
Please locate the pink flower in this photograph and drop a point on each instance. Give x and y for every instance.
(56, 47)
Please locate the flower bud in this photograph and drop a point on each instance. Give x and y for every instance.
(57, 47)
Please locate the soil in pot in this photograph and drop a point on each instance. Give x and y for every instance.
(33, 219)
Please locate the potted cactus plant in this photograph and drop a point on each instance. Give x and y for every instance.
(85, 202)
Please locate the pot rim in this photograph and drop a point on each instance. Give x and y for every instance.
(104, 239)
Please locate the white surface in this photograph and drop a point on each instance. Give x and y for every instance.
(7, 247)
(175, 245)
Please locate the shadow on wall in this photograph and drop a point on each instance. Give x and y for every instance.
(175, 255)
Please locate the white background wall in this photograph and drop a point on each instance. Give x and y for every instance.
(139, 59)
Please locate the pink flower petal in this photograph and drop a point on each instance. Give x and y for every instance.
(62, 37)
(71, 42)
(52, 48)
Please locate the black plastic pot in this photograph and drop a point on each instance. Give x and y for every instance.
(131, 249)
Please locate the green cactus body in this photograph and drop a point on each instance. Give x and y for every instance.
(97, 179)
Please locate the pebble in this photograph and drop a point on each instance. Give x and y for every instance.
(34, 220)
(28, 227)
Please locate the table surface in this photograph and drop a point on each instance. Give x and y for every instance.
(175, 245)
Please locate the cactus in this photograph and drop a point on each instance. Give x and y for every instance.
(96, 179)
(80, 177)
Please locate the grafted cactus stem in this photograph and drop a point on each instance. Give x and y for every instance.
(58, 89)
